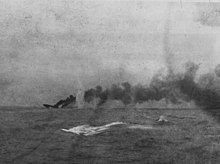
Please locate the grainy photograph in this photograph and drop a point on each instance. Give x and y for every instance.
(109, 81)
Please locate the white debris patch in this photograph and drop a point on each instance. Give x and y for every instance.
(143, 127)
(90, 130)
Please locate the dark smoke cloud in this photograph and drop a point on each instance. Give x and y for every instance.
(217, 70)
(173, 88)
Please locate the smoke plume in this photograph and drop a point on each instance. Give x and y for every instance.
(173, 88)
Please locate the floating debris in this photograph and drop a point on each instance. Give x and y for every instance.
(91, 130)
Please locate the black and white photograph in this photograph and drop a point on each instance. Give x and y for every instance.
(109, 81)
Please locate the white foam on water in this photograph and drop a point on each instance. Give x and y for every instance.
(87, 130)
(91, 130)
(143, 127)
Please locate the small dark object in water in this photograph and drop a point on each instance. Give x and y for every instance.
(62, 103)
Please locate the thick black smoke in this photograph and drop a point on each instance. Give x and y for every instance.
(116, 92)
(203, 96)
(173, 88)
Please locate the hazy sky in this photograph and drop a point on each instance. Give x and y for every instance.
(49, 48)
